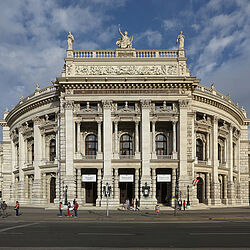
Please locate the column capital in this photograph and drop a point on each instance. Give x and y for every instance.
(183, 103)
(145, 103)
(215, 119)
(69, 105)
(37, 121)
(174, 122)
(107, 104)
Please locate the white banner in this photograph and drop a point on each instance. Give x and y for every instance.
(89, 177)
(126, 178)
(164, 178)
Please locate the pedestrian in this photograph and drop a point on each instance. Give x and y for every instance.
(60, 209)
(76, 206)
(136, 204)
(179, 204)
(133, 204)
(4, 208)
(69, 209)
(17, 206)
(127, 204)
(74, 202)
(184, 205)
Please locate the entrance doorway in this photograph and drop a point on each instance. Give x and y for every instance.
(163, 193)
(91, 192)
(200, 190)
(126, 191)
(52, 189)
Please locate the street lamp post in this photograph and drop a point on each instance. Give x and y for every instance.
(66, 195)
(188, 202)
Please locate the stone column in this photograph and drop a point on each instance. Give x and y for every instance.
(26, 190)
(116, 155)
(78, 137)
(99, 189)
(137, 184)
(207, 147)
(173, 187)
(44, 187)
(153, 183)
(30, 187)
(174, 153)
(69, 161)
(183, 176)
(99, 147)
(36, 197)
(215, 187)
(43, 148)
(107, 147)
(239, 172)
(231, 199)
(79, 185)
(137, 153)
(116, 186)
(208, 197)
(153, 140)
(225, 200)
(21, 165)
(145, 154)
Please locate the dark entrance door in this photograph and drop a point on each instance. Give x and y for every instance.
(52, 189)
(91, 192)
(163, 192)
(200, 190)
(126, 191)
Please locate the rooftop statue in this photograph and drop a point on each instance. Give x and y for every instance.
(70, 40)
(124, 42)
(180, 39)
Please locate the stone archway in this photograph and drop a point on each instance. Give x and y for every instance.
(52, 189)
(200, 188)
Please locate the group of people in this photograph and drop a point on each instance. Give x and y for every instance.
(74, 207)
(4, 208)
(133, 205)
(182, 204)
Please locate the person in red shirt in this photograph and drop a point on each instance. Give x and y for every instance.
(60, 209)
(76, 208)
(17, 208)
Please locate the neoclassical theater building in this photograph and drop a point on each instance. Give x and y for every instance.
(135, 120)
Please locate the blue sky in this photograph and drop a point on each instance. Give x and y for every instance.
(33, 38)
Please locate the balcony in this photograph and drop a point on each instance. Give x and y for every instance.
(164, 157)
(88, 157)
(125, 157)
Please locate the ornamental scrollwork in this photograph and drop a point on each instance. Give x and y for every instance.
(107, 104)
(145, 103)
(69, 105)
(183, 103)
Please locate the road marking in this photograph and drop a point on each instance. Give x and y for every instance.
(225, 233)
(109, 234)
(19, 226)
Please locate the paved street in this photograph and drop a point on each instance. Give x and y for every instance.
(214, 227)
(117, 234)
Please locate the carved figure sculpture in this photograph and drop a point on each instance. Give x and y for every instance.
(124, 42)
(180, 39)
(70, 40)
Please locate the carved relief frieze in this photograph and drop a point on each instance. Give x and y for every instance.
(169, 69)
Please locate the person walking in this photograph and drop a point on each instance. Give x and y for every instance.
(17, 206)
(136, 204)
(133, 204)
(60, 209)
(184, 205)
(69, 209)
(76, 206)
(127, 204)
(179, 204)
(4, 208)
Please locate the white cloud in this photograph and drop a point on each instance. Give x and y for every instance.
(153, 38)
(169, 24)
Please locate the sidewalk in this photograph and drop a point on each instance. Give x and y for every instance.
(211, 214)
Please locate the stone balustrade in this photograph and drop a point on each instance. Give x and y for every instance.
(113, 53)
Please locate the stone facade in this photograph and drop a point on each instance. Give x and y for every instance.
(133, 119)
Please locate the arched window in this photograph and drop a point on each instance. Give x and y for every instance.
(126, 145)
(52, 150)
(199, 149)
(161, 144)
(91, 145)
